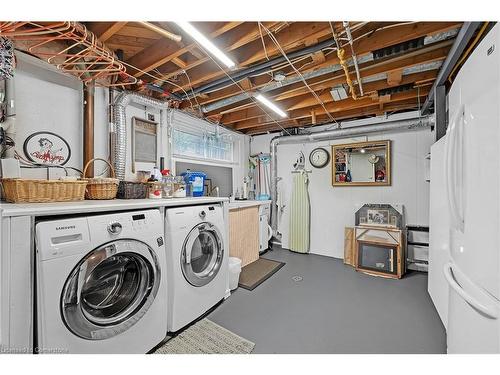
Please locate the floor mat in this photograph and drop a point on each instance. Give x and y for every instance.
(206, 337)
(255, 273)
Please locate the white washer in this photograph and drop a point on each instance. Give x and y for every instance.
(197, 258)
(101, 283)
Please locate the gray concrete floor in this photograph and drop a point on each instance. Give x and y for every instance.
(333, 310)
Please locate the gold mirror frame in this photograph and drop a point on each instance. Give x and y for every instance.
(385, 143)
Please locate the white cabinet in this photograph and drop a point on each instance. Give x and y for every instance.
(16, 284)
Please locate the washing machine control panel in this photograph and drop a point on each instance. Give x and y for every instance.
(115, 227)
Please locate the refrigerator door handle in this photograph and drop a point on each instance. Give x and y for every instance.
(457, 220)
(490, 311)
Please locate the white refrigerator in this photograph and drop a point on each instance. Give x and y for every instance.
(439, 233)
(472, 196)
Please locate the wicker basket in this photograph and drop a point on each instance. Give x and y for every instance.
(18, 190)
(132, 190)
(101, 187)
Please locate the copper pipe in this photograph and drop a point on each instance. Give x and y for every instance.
(88, 125)
(161, 31)
(80, 54)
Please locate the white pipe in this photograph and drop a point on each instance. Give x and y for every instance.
(383, 127)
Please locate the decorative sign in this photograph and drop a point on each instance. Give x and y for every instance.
(47, 148)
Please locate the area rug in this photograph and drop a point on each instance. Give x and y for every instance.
(255, 273)
(206, 337)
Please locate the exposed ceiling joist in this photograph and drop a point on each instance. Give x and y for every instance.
(373, 110)
(346, 104)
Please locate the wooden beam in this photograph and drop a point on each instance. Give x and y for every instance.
(291, 37)
(430, 53)
(344, 115)
(394, 78)
(335, 107)
(326, 81)
(177, 61)
(233, 41)
(307, 100)
(165, 50)
(246, 84)
(318, 57)
(117, 26)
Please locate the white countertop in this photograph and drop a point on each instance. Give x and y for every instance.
(234, 205)
(65, 208)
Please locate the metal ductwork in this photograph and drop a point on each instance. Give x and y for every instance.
(119, 131)
(383, 127)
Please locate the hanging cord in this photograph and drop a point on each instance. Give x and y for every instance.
(275, 41)
(192, 91)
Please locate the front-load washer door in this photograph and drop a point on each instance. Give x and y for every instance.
(202, 254)
(110, 289)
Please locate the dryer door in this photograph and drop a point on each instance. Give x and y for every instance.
(202, 254)
(110, 289)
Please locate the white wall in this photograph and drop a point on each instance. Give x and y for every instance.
(53, 102)
(333, 208)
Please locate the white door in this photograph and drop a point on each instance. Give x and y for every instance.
(477, 166)
(472, 179)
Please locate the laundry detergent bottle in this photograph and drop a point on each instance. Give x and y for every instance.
(197, 181)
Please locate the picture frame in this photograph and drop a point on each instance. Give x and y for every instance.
(47, 148)
(377, 217)
(361, 164)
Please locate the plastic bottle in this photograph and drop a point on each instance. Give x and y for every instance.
(168, 184)
(197, 181)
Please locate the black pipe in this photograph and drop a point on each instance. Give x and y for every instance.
(256, 69)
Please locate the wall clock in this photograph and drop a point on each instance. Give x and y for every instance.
(47, 148)
(319, 157)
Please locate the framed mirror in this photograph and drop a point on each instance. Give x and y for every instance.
(362, 164)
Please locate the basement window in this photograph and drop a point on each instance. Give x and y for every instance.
(202, 146)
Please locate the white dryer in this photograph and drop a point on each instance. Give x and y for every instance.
(101, 283)
(197, 259)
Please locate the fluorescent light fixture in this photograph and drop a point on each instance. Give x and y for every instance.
(270, 105)
(207, 44)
